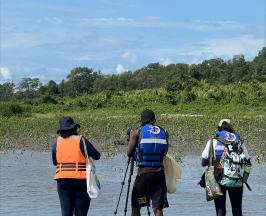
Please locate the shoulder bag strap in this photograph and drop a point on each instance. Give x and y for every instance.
(211, 153)
(85, 148)
(88, 158)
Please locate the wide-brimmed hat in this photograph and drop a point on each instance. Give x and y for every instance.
(147, 116)
(67, 123)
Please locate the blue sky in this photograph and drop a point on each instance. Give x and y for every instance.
(48, 38)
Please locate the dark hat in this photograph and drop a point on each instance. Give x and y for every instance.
(147, 116)
(67, 123)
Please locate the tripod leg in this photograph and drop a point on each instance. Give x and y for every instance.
(129, 181)
(148, 209)
(123, 183)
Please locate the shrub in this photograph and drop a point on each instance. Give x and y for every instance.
(9, 109)
(47, 99)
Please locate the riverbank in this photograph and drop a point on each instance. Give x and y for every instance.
(189, 127)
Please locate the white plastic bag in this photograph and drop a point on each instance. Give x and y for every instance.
(172, 172)
(93, 183)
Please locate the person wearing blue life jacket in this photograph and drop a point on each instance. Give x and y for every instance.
(149, 145)
(230, 156)
(68, 155)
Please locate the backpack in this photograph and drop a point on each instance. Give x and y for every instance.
(232, 161)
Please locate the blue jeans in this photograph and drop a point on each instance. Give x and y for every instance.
(73, 197)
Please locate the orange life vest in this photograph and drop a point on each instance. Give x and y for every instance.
(70, 161)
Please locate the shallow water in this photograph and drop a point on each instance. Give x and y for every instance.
(27, 188)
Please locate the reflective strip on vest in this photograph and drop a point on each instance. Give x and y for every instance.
(70, 161)
(219, 149)
(157, 141)
(71, 167)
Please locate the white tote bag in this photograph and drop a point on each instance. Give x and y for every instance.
(93, 183)
(172, 172)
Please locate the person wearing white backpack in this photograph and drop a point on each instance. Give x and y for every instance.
(69, 157)
(230, 158)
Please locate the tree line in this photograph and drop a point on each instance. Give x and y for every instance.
(173, 78)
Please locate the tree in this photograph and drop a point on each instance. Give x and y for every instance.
(213, 70)
(239, 68)
(123, 80)
(174, 85)
(258, 66)
(81, 80)
(7, 90)
(29, 86)
(194, 72)
(52, 88)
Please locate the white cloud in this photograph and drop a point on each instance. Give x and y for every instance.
(126, 55)
(166, 61)
(5, 73)
(130, 57)
(226, 47)
(120, 69)
(109, 21)
(159, 22)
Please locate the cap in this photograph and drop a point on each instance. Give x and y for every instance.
(147, 116)
(224, 120)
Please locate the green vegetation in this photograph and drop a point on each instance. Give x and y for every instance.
(107, 127)
(173, 78)
(189, 100)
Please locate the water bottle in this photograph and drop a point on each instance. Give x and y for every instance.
(247, 169)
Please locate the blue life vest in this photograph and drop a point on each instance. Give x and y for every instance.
(219, 149)
(152, 147)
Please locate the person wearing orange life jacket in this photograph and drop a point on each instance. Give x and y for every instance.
(68, 156)
(149, 145)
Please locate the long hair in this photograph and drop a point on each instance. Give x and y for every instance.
(68, 133)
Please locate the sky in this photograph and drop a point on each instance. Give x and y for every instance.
(48, 38)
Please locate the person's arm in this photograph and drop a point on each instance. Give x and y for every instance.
(54, 153)
(133, 141)
(92, 151)
(205, 155)
(167, 139)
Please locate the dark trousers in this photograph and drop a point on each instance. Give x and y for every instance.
(235, 195)
(73, 197)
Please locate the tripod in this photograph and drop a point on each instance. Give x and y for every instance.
(131, 162)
